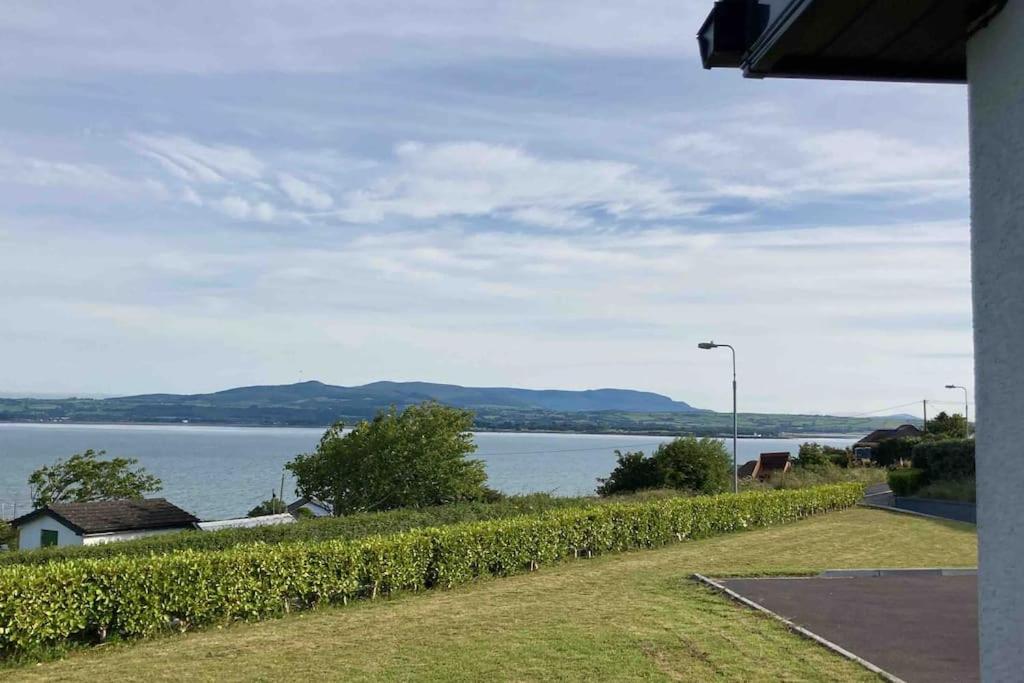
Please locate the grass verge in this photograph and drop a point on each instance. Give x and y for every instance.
(619, 617)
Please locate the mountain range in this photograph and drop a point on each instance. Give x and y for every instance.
(315, 404)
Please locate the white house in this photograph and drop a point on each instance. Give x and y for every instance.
(63, 524)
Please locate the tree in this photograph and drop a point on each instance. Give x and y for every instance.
(272, 506)
(634, 472)
(699, 465)
(812, 455)
(945, 426)
(412, 458)
(85, 477)
(688, 463)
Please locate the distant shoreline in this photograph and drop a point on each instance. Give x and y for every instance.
(186, 425)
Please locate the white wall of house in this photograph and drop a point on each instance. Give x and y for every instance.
(95, 539)
(30, 533)
(996, 85)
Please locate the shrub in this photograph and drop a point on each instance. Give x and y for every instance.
(811, 455)
(686, 463)
(949, 459)
(906, 482)
(133, 596)
(894, 451)
(961, 490)
(325, 528)
(802, 477)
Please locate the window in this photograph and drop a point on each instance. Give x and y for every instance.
(47, 537)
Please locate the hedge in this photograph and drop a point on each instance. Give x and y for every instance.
(906, 482)
(946, 460)
(349, 527)
(90, 600)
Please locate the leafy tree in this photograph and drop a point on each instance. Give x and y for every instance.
(85, 477)
(812, 455)
(412, 458)
(273, 506)
(698, 465)
(945, 426)
(634, 472)
(701, 465)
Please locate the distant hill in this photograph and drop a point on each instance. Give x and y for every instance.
(315, 404)
(377, 395)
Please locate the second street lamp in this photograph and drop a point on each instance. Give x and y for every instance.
(735, 431)
(967, 419)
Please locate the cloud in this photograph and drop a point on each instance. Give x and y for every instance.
(304, 194)
(480, 179)
(196, 162)
(243, 210)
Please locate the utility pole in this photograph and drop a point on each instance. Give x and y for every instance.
(925, 404)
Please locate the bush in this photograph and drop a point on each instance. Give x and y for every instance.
(686, 463)
(811, 455)
(802, 477)
(894, 451)
(962, 490)
(950, 459)
(319, 529)
(88, 601)
(906, 482)
(634, 472)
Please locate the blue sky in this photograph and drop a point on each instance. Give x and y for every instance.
(201, 195)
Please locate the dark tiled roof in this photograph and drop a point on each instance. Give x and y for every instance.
(115, 515)
(900, 432)
(774, 461)
(747, 469)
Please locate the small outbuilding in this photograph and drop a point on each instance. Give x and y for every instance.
(247, 522)
(312, 506)
(104, 521)
(765, 465)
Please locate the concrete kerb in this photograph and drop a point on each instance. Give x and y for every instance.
(901, 511)
(714, 585)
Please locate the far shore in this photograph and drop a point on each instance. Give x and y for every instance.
(186, 425)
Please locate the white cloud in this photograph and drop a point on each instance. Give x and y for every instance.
(197, 162)
(303, 194)
(480, 179)
(243, 210)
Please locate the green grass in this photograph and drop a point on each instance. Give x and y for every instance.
(633, 616)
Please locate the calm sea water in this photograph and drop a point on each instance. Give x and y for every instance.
(218, 472)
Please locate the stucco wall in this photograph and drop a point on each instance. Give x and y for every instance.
(29, 534)
(996, 84)
(96, 539)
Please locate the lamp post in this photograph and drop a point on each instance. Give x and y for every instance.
(967, 420)
(735, 431)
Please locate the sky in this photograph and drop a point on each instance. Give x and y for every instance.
(197, 195)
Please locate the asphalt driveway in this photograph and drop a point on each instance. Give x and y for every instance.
(918, 627)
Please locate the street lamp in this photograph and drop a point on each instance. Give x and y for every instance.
(735, 433)
(967, 421)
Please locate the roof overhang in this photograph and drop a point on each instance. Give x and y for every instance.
(891, 40)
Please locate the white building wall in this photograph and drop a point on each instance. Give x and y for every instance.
(996, 85)
(29, 534)
(95, 539)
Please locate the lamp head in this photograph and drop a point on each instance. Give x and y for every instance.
(951, 386)
(707, 345)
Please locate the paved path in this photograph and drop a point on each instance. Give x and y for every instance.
(919, 628)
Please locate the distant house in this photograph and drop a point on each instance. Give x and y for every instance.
(765, 465)
(247, 522)
(63, 524)
(863, 448)
(317, 508)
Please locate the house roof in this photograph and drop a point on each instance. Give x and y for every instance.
(746, 469)
(247, 522)
(912, 40)
(880, 435)
(105, 516)
(308, 501)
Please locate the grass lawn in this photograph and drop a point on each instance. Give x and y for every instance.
(619, 617)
